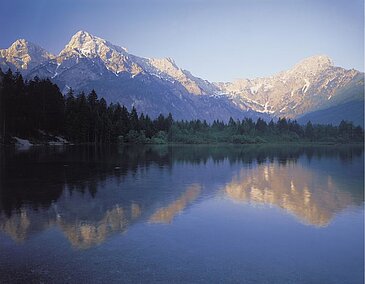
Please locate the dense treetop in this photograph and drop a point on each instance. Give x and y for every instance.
(28, 107)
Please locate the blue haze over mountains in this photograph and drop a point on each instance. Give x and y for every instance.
(314, 89)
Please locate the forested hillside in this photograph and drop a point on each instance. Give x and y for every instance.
(31, 107)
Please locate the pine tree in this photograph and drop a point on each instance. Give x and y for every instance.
(134, 122)
(309, 131)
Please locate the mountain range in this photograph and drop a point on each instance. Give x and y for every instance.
(314, 89)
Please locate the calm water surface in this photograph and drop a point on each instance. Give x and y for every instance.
(190, 214)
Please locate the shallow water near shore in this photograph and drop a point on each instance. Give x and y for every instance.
(185, 214)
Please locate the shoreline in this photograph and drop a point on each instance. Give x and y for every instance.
(278, 144)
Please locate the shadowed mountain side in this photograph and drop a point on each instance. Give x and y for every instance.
(347, 104)
(158, 85)
(351, 111)
(155, 96)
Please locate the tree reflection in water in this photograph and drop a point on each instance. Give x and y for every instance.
(91, 192)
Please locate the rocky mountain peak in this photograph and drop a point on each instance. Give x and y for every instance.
(24, 54)
(19, 44)
(80, 38)
(86, 44)
(164, 64)
(314, 64)
(313, 82)
(22, 46)
(171, 60)
(89, 62)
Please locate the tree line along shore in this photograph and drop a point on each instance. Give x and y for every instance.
(36, 109)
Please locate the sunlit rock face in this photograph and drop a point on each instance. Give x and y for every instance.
(159, 85)
(84, 45)
(314, 198)
(95, 57)
(311, 84)
(168, 213)
(118, 60)
(23, 55)
(151, 85)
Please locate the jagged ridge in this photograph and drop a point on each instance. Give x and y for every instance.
(159, 85)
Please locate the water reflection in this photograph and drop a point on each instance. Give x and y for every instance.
(83, 234)
(166, 214)
(92, 193)
(312, 196)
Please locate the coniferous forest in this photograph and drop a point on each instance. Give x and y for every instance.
(30, 107)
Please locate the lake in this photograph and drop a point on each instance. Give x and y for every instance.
(182, 214)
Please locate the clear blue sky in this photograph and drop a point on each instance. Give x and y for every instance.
(215, 40)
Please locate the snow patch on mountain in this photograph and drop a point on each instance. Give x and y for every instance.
(289, 93)
(88, 60)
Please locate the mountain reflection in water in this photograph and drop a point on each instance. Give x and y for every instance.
(166, 214)
(90, 193)
(312, 196)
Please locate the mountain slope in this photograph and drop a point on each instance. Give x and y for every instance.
(23, 55)
(158, 86)
(153, 86)
(308, 86)
(350, 111)
(347, 104)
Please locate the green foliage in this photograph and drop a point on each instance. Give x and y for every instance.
(27, 107)
(136, 137)
(160, 138)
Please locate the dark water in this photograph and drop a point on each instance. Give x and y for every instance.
(231, 214)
